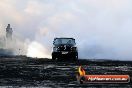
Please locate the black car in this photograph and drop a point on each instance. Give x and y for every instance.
(64, 49)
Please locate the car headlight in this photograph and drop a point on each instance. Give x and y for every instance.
(73, 48)
(55, 49)
(58, 48)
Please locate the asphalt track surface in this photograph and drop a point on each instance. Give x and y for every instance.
(33, 72)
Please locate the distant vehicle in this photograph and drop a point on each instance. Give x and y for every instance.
(64, 49)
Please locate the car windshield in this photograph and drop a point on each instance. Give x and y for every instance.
(64, 41)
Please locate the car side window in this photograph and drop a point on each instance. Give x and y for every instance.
(69, 42)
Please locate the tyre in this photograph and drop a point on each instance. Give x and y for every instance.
(53, 57)
(75, 58)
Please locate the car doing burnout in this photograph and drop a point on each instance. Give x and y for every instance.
(64, 49)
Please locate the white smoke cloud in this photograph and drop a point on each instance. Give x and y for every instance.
(102, 28)
(35, 49)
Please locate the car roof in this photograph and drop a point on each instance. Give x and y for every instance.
(64, 38)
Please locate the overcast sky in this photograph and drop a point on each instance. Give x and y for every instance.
(102, 28)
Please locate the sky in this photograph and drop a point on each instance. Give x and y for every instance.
(102, 28)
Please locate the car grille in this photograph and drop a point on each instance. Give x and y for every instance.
(64, 48)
